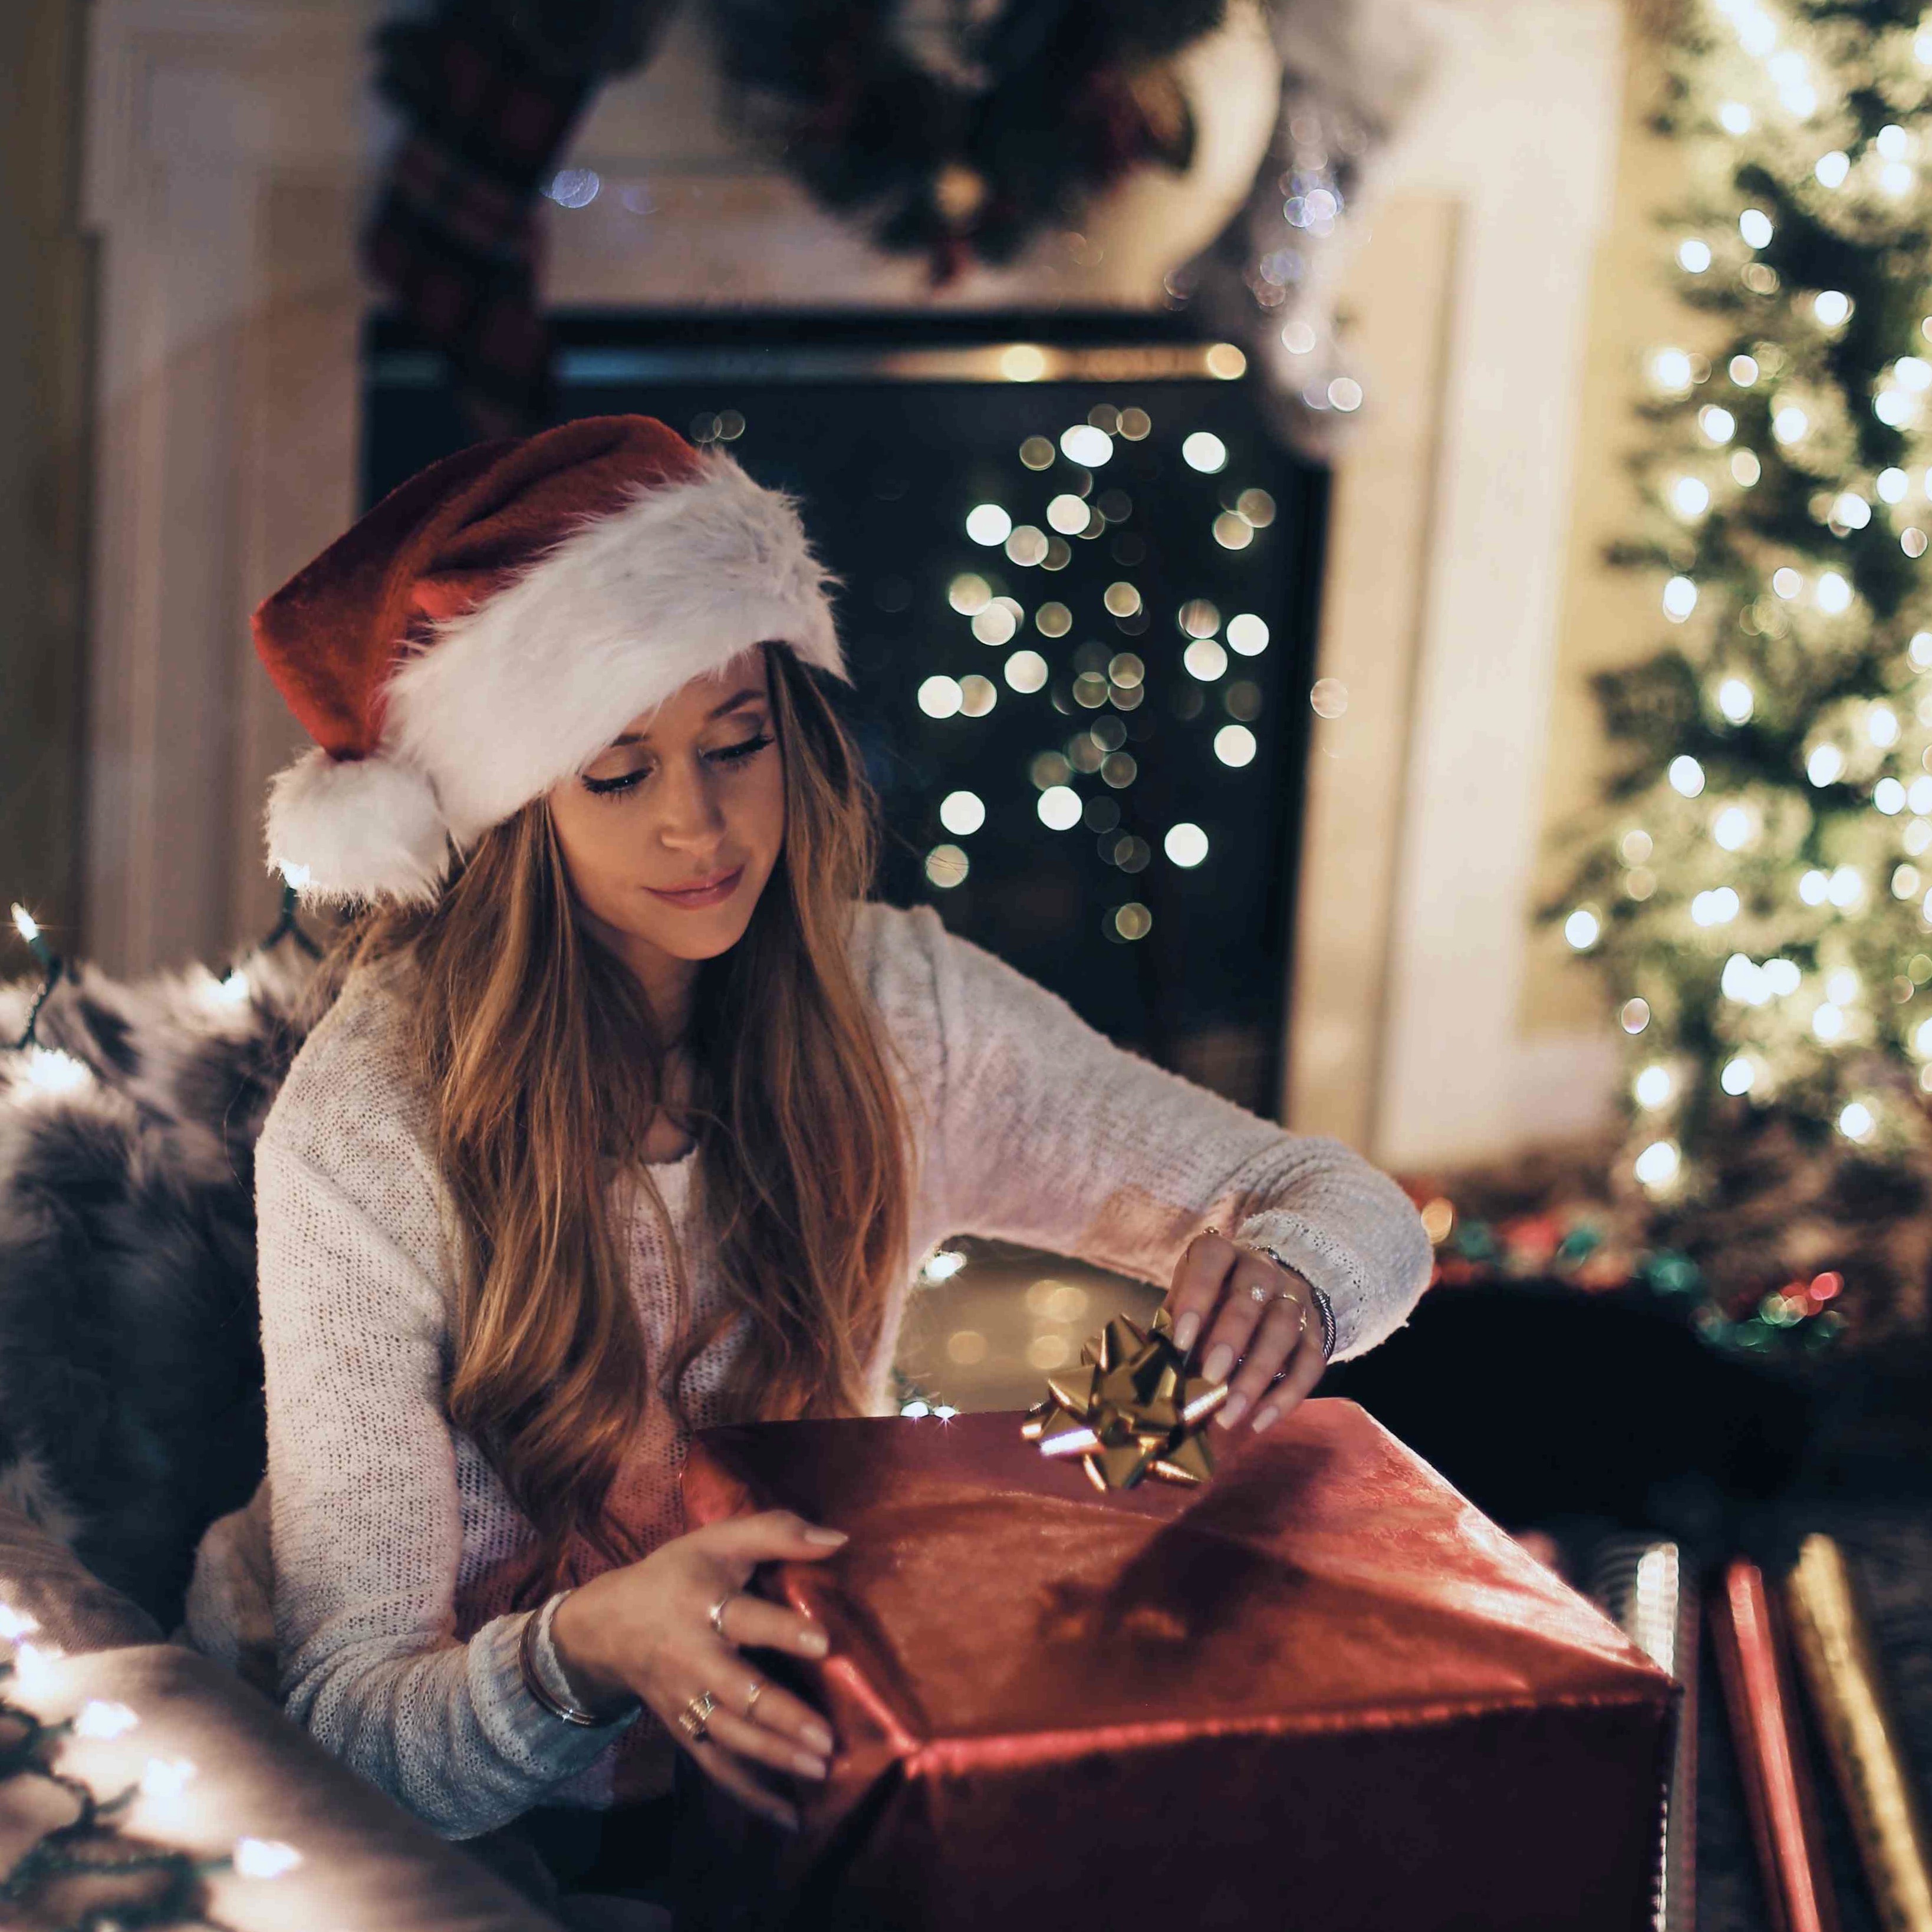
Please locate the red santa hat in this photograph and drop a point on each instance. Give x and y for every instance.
(491, 624)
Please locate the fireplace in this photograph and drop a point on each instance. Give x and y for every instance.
(1078, 588)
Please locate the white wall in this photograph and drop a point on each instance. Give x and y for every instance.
(1514, 146)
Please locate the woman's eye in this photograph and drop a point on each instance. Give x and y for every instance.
(725, 754)
(622, 782)
(731, 755)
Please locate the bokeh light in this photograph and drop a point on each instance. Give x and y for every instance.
(1205, 451)
(940, 697)
(988, 523)
(1026, 671)
(1059, 808)
(962, 813)
(1247, 635)
(1185, 844)
(945, 867)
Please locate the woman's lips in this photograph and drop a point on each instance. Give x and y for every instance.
(711, 892)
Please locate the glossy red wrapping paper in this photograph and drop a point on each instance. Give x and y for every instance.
(1322, 1690)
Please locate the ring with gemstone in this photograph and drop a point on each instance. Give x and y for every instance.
(694, 1719)
(1263, 1295)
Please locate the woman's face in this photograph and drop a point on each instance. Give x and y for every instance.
(670, 832)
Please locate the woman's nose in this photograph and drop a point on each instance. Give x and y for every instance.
(690, 812)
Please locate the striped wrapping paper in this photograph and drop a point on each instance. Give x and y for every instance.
(1644, 1584)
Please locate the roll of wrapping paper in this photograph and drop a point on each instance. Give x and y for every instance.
(1835, 1652)
(1779, 1792)
(1643, 1584)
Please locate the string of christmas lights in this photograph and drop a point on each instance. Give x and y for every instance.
(94, 1870)
(50, 1071)
(1760, 897)
(92, 1874)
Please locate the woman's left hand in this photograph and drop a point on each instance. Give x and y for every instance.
(1252, 1317)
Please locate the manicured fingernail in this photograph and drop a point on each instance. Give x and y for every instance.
(808, 1767)
(1265, 1418)
(1231, 1410)
(1186, 1329)
(815, 1642)
(829, 1538)
(1220, 1360)
(819, 1737)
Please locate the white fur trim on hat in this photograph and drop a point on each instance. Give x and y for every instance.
(343, 829)
(533, 684)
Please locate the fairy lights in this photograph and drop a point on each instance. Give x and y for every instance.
(1205, 451)
(1025, 671)
(962, 813)
(1185, 844)
(100, 1719)
(75, 1860)
(1234, 745)
(988, 523)
(1059, 808)
(1789, 481)
(1247, 635)
(1086, 446)
(264, 1858)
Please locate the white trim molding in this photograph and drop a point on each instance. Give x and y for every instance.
(1407, 1036)
(220, 174)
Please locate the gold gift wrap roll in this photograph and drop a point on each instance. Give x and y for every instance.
(1841, 1673)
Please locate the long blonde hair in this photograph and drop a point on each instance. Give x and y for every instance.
(544, 1068)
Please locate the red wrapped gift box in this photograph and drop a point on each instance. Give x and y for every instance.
(1322, 1690)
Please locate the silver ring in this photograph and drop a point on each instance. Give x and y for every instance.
(695, 1718)
(751, 1697)
(718, 1613)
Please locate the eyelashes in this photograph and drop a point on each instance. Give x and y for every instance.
(726, 756)
(732, 755)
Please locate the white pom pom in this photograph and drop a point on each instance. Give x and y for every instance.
(346, 829)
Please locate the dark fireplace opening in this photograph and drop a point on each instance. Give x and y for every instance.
(1078, 596)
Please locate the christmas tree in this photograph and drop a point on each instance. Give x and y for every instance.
(1758, 890)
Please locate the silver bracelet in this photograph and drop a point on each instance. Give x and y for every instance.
(535, 1625)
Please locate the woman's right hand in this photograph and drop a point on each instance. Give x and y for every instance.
(645, 1631)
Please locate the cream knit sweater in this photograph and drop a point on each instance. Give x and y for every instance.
(394, 1640)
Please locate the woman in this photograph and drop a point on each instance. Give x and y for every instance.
(632, 1117)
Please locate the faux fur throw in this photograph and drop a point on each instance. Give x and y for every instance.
(130, 1367)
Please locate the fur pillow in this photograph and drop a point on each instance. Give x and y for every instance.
(130, 1367)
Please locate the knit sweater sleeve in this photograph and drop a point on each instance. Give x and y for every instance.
(366, 1519)
(1045, 1132)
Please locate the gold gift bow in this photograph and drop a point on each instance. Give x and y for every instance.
(1130, 1411)
(1841, 1670)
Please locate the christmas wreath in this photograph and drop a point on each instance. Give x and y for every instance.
(959, 128)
